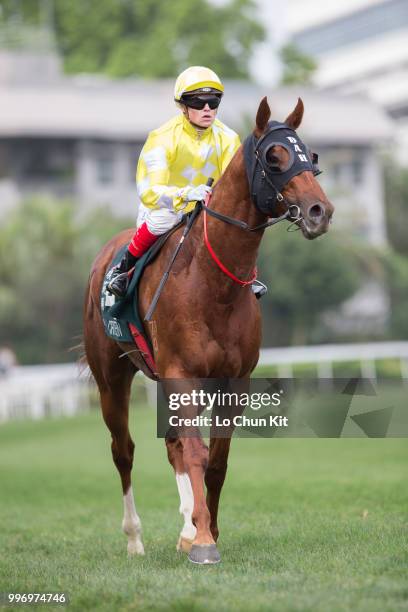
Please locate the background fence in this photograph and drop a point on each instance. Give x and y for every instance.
(64, 389)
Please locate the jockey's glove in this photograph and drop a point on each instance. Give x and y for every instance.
(193, 194)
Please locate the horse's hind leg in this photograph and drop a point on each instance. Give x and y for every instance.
(115, 404)
(114, 378)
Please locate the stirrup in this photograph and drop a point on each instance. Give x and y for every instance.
(121, 279)
(259, 289)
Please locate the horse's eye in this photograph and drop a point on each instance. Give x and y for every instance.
(278, 157)
(273, 160)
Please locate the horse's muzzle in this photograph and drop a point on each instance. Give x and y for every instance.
(316, 220)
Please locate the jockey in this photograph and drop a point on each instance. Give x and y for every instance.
(175, 163)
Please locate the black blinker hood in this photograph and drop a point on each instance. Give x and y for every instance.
(266, 181)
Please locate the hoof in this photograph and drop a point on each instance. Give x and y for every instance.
(184, 545)
(135, 547)
(204, 554)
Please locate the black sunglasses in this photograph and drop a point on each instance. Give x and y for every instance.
(198, 102)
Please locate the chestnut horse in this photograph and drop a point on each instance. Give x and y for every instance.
(205, 326)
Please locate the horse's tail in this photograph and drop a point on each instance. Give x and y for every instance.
(81, 360)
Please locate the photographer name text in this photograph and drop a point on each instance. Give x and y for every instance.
(237, 421)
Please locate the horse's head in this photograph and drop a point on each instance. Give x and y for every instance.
(281, 171)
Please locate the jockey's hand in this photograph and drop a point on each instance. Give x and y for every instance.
(194, 194)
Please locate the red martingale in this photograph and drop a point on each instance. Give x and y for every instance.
(215, 258)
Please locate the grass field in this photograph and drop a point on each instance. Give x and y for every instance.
(310, 524)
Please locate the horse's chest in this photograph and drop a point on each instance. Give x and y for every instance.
(231, 348)
(211, 341)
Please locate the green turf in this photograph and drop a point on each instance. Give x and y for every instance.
(310, 524)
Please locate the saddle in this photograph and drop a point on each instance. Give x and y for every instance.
(121, 317)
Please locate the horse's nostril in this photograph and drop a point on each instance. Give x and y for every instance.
(316, 213)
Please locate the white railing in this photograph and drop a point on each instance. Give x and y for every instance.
(62, 389)
(37, 391)
(325, 355)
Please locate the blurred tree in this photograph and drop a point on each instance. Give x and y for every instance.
(396, 261)
(298, 68)
(305, 279)
(396, 278)
(148, 38)
(45, 257)
(396, 205)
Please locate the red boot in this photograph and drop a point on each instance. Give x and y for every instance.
(141, 241)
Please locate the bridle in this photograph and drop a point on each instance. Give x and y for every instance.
(265, 179)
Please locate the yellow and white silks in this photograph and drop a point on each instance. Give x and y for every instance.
(174, 156)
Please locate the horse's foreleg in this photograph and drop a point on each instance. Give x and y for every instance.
(194, 460)
(195, 456)
(188, 532)
(215, 476)
(218, 456)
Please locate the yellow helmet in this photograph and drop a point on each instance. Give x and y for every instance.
(197, 78)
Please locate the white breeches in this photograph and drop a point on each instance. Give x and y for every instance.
(158, 221)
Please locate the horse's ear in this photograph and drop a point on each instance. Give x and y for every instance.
(295, 118)
(262, 117)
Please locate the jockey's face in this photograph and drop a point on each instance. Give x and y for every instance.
(202, 118)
